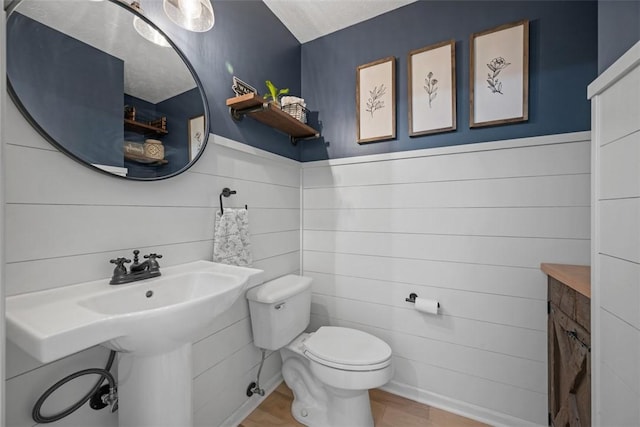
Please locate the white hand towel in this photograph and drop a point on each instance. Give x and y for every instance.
(286, 100)
(231, 243)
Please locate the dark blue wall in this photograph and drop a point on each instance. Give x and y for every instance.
(618, 29)
(178, 110)
(85, 87)
(248, 41)
(563, 61)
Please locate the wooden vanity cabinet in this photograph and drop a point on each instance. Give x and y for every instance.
(569, 350)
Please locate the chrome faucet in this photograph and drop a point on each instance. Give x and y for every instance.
(138, 271)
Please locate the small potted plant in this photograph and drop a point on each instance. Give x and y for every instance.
(274, 92)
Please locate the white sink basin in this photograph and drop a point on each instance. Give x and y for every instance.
(148, 317)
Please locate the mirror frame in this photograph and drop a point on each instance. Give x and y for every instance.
(25, 113)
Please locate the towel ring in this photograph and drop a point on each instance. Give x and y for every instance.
(226, 192)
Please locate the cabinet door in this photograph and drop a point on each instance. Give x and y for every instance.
(569, 371)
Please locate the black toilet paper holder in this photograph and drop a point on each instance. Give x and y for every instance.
(412, 298)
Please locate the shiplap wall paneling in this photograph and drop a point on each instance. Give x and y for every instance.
(615, 100)
(469, 227)
(64, 223)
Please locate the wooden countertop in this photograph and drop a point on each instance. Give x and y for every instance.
(577, 277)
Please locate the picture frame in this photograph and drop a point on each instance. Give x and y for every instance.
(196, 135)
(499, 75)
(432, 89)
(376, 100)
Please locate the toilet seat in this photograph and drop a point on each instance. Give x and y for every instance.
(347, 349)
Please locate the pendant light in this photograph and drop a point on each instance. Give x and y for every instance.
(146, 30)
(192, 15)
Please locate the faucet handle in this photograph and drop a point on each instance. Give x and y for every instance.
(153, 263)
(120, 272)
(135, 256)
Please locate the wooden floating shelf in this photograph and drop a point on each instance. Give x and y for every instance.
(145, 160)
(266, 112)
(141, 127)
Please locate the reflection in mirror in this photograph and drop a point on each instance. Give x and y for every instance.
(89, 83)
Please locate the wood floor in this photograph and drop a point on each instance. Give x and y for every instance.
(388, 410)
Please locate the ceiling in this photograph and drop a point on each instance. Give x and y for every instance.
(309, 19)
(151, 72)
(306, 19)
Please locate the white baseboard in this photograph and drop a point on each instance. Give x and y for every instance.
(248, 407)
(428, 398)
(456, 406)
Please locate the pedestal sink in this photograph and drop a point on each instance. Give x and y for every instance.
(151, 323)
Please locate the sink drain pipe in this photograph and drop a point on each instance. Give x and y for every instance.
(108, 397)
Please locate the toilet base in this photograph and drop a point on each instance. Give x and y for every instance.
(349, 408)
(310, 400)
(316, 404)
(342, 408)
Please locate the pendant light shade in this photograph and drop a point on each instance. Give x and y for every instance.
(146, 30)
(192, 15)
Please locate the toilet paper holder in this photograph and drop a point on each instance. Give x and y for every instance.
(412, 298)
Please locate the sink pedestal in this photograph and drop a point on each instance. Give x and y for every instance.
(155, 390)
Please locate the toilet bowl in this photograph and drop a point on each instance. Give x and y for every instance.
(329, 371)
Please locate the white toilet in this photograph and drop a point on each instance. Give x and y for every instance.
(331, 370)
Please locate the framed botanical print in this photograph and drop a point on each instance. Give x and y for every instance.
(196, 136)
(432, 89)
(376, 100)
(499, 77)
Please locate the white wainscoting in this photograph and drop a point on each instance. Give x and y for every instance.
(466, 225)
(64, 222)
(615, 273)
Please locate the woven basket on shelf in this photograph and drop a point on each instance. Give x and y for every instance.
(296, 110)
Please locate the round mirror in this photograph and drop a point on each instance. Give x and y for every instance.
(100, 82)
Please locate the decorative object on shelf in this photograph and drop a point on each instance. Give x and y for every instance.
(269, 114)
(149, 153)
(376, 100)
(499, 77)
(274, 92)
(192, 15)
(158, 126)
(295, 107)
(196, 135)
(159, 123)
(241, 88)
(432, 89)
(129, 112)
(133, 148)
(153, 149)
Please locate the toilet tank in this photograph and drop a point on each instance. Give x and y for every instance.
(280, 310)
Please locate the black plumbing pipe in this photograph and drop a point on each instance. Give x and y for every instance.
(104, 374)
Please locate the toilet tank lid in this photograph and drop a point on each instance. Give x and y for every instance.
(279, 289)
